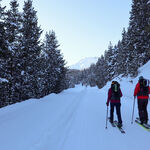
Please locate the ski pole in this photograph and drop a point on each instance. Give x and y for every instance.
(106, 117)
(133, 111)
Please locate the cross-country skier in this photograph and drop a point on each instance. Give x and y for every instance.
(142, 91)
(114, 95)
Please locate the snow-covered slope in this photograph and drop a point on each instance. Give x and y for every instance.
(73, 120)
(84, 63)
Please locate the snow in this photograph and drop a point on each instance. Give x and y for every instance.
(22, 72)
(84, 63)
(73, 120)
(3, 80)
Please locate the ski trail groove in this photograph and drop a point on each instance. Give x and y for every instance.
(64, 126)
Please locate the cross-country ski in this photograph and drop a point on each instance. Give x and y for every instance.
(120, 128)
(145, 126)
(115, 124)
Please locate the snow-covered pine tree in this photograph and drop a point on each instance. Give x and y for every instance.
(73, 77)
(30, 49)
(123, 54)
(4, 90)
(101, 72)
(2, 11)
(45, 81)
(56, 71)
(91, 76)
(12, 24)
(139, 34)
(115, 61)
(3, 43)
(147, 32)
(109, 57)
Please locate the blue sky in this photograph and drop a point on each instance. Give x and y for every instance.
(83, 28)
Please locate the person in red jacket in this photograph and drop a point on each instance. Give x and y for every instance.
(114, 95)
(142, 92)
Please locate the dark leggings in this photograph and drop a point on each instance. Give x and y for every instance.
(112, 106)
(142, 108)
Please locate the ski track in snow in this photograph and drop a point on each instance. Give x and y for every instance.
(63, 126)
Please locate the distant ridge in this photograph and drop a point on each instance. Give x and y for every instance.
(84, 63)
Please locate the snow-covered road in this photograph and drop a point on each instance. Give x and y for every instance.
(72, 120)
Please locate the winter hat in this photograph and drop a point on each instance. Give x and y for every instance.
(141, 77)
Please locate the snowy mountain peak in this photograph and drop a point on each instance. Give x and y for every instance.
(84, 63)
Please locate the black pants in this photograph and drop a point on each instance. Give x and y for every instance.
(112, 106)
(142, 108)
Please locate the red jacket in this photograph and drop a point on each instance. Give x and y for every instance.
(109, 99)
(137, 90)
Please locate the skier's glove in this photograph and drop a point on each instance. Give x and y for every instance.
(107, 104)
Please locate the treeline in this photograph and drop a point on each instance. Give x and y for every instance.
(131, 52)
(29, 67)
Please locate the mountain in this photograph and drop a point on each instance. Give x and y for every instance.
(84, 63)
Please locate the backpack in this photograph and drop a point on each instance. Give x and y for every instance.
(144, 86)
(115, 86)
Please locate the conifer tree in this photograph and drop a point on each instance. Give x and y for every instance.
(12, 24)
(3, 44)
(56, 70)
(124, 54)
(4, 53)
(90, 76)
(101, 72)
(115, 61)
(29, 50)
(109, 54)
(138, 33)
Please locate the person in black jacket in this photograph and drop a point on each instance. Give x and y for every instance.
(114, 95)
